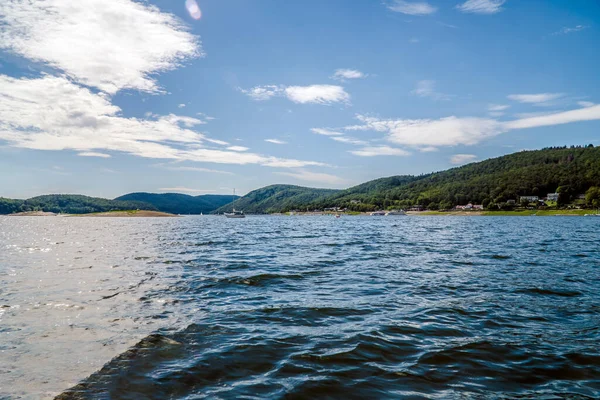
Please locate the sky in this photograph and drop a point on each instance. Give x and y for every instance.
(107, 97)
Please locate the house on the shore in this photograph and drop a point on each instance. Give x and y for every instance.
(529, 199)
(552, 197)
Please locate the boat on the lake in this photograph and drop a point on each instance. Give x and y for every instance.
(395, 212)
(378, 213)
(234, 213)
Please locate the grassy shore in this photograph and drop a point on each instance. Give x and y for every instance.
(519, 213)
(128, 213)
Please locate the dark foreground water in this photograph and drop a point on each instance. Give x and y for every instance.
(300, 307)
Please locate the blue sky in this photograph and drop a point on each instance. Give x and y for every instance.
(105, 97)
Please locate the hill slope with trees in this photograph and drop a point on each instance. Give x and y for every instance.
(276, 198)
(570, 171)
(176, 203)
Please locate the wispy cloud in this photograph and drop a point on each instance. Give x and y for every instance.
(93, 154)
(320, 94)
(452, 131)
(349, 140)
(344, 74)
(411, 7)
(426, 88)
(380, 151)
(262, 93)
(238, 148)
(275, 141)
(459, 159)
(566, 30)
(536, 99)
(497, 110)
(326, 132)
(182, 105)
(481, 6)
(315, 177)
(498, 107)
(316, 94)
(185, 190)
(107, 44)
(172, 167)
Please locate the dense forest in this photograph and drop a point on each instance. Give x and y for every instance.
(69, 204)
(176, 203)
(570, 171)
(276, 198)
(77, 204)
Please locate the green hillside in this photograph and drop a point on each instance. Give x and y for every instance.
(177, 203)
(571, 171)
(277, 198)
(70, 204)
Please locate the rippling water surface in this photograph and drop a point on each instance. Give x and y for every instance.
(300, 307)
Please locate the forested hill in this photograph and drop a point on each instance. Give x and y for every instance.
(70, 204)
(177, 203)
(77, 204)
(276, 198)
(568, 170)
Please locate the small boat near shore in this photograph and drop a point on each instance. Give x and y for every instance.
(395, 212)
(378, 213)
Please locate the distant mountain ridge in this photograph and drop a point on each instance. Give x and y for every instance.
(174, 203)
(177, 203)
(570, 171)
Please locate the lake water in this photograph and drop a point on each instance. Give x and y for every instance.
(300, 307)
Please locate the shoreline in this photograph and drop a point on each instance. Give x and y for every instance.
(108, 214)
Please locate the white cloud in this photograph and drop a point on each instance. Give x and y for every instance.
(426, 88)
(413, 40)
(412, 7)
(52, 113)
(316, 177)
(107, 44)
(380, 151)
(275, 141)
(262, 93)
(93, 154)
(453, 131)
(481, 6)
(498, 107)
(428, 149)
(567, 30)
(185, 190)
(459, 159)
(449, 131)
(349, 140)
(171, 167)
(537, 99)
(320, 94)
(238, 148)
(326, 132)
(589, 113)
(188, 122)
(586, 104)
(343, 74)
(181, 105)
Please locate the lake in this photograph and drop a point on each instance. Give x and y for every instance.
(300, 307)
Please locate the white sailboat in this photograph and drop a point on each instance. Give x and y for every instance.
(235, 213)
